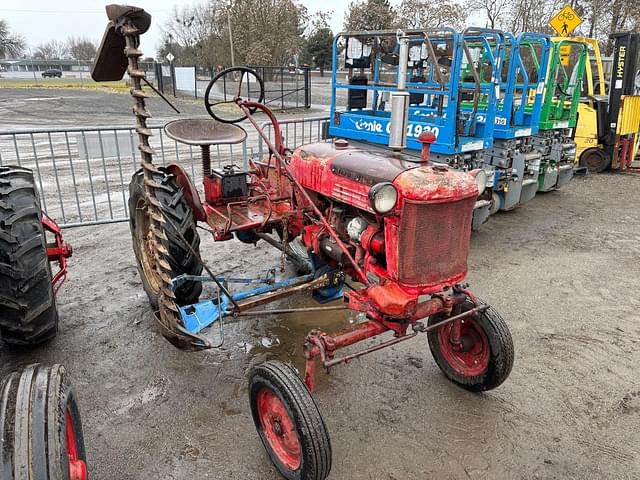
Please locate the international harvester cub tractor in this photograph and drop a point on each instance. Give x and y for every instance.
(388, 236)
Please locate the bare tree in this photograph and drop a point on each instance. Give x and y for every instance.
(531, 15)
(496, 11)
(193, 35)
(265, 31)
(370, 15)
(81, 48)
(431, 14)
(605, 17)
(52, 49)
(11, 44)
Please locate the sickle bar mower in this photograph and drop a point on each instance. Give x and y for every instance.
(387, 234)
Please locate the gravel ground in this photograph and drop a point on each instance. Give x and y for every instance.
(563, 270)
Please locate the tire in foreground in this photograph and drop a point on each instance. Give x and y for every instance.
(40, 427)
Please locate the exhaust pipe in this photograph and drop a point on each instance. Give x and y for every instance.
(400, 99)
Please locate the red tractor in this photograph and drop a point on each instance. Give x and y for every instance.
(387, 234)
(40, 426)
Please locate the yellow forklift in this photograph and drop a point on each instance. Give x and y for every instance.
(608, 128)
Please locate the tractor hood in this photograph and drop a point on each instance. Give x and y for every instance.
(435, 183)
(347, 173)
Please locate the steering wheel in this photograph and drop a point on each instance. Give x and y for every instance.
(228, 86)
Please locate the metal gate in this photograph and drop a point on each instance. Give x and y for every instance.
(83, 174)
(285, 87)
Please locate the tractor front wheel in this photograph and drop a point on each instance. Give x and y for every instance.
(476, 352)
(179, 238)
(27, 299)
(289, 422)
(40, 428)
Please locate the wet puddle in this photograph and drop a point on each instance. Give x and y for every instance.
(276, 337)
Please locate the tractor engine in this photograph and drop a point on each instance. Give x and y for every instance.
(406, 223)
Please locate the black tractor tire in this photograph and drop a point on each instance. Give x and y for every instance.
(276, 384)
(492, 331)
(595, 159)
(40, 427)
(27, 300)
(180, 224)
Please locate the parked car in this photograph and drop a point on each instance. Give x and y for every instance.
(52, 73)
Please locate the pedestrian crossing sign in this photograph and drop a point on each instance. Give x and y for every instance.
(565, 21)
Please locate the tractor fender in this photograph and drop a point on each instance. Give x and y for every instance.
(188, 190)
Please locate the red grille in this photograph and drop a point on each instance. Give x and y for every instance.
(434, 241)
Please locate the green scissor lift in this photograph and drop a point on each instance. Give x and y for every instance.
(559, 114)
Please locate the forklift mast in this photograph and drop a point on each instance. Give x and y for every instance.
(625, 77)
(609, 125)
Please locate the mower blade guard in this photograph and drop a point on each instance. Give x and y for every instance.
(111, 62)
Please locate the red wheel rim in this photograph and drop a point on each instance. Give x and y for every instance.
(77, 466)
(465, 347)
(279, 429)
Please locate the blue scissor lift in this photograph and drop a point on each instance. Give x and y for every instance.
(445, 70)
(513, 154)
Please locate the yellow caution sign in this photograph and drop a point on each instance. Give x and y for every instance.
(565, 21)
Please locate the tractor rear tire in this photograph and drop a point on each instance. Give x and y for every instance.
(595, 159)
(27, 300)
(40, 427)
(484, 358)
(180, 224)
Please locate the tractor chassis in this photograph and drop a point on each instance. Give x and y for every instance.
(318, 344)
(258, 216)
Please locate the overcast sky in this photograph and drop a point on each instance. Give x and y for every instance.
(42, 20)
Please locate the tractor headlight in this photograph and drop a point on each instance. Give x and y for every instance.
(383, 197)
(480, 177)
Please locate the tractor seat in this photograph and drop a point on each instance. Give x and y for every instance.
(204, 131)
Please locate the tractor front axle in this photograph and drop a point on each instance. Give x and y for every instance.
(323, 345)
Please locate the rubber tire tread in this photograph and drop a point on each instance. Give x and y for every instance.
(500, 343)
(27, 300)
(180, 259)
(33, 406)
(312, 431)
(606, 161)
